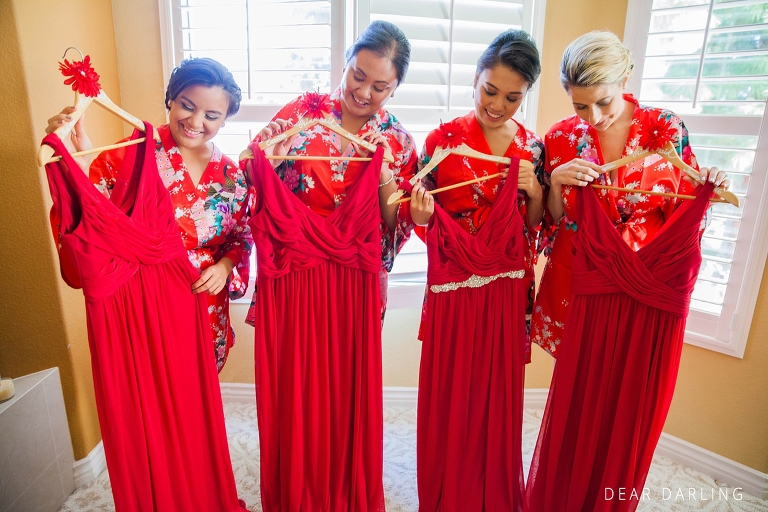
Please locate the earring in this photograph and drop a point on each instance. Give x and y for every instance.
(473, 93)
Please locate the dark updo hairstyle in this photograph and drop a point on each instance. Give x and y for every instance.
(385, 40)
(515, 50)
(206, 72)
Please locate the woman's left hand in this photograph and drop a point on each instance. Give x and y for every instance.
(378, 139)
(527, 182)
(214, 278)
(713, 175)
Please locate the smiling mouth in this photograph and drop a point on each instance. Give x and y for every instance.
(191, 133)
(358, 102)
(493, 116)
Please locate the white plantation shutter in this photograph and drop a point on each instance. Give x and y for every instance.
(707, 60)
(447, 37)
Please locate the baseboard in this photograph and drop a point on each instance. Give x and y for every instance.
(88, 469)
(400, 396)
(724, 470)
(238, 393)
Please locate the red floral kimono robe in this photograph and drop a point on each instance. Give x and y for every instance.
(322, 185)
(470, 205)
(212, 218)
(638, 217)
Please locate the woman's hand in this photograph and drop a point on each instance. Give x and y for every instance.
(282, 148)
(577, 172)
(376, 138)
(422, 205)
(214, 278)
(713, 175)
(78, 138)
(527, 182)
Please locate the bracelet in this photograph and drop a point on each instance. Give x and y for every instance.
(391, 177)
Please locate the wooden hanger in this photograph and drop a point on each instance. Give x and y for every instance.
(82, 102)
(440, 154)
(329, 122)
(669, 154)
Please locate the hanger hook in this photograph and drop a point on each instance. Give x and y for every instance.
(74, 48)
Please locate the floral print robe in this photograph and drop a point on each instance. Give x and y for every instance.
(638, 217)
(212, 217)
(322, 184)
(470, 205)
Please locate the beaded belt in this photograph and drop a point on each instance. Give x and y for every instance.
(475, 281)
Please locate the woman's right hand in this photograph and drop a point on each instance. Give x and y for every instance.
(577, 172)
(282, 148)
(422, 205)
(78, 138)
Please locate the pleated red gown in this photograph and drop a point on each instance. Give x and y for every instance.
(157, 391)
(469, 430)
(318, 347)
(616, 370)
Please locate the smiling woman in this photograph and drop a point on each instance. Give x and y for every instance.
(208, 191)
(318, 323)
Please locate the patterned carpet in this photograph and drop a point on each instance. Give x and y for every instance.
(669, 483)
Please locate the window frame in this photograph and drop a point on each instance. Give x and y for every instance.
(727, 332)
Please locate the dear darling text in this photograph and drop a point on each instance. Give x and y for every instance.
(682, 494)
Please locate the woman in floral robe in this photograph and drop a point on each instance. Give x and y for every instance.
(208, 190)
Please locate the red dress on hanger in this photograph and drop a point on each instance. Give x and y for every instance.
(469, 432)
(615, 373)
(157, 391)
(318, 347)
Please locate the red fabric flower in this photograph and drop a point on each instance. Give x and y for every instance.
(315, 105)
(656, 135)
(450, 135)
(82, 76)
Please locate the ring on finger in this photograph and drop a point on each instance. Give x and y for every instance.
(579, 175)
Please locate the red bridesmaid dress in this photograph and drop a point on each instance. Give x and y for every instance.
(157, 391)
(469, 430)
(616, 370)
(318, 347)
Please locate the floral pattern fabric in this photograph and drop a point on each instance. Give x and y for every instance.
(212, 218)
(470, 205)
(322, 184)
(638, 217)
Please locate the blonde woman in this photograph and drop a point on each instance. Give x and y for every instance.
(615, 291)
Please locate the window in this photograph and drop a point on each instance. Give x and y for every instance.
(707, 60)
(278, 49)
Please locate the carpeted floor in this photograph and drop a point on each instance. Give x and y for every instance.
(672, 487)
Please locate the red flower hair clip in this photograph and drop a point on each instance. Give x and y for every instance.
(656, 135)
(82, 76)
(450, 135)
(315, 105)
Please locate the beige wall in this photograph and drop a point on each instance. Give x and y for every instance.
(721, 402)
(43, 321)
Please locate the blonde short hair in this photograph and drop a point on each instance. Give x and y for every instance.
(596, 58)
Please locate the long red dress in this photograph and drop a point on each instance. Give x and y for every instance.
(157, 391)
(469, 432)
(318, 347)
(616, 370)
(637, 217)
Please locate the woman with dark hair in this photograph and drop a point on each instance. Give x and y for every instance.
(481, 241)
(208, 190)
(156, 387)
(325, 239)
